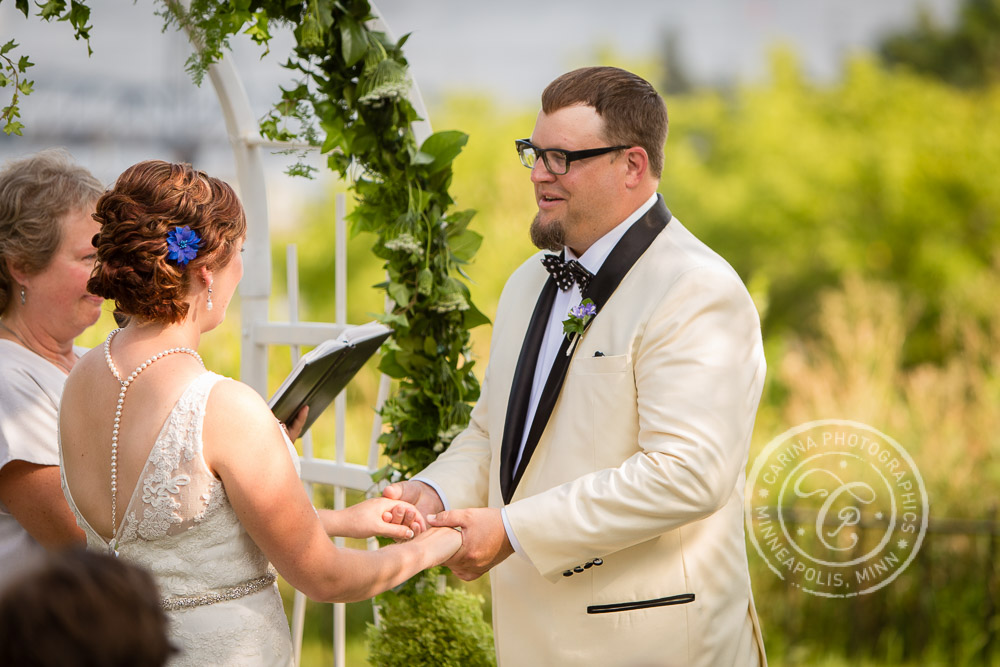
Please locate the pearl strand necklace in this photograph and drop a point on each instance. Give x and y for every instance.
(118, 417)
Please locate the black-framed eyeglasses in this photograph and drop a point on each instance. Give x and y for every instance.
(556, 160)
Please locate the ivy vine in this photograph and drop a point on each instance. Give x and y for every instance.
(77, 14)
(350, 99)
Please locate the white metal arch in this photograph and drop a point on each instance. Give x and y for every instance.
(258, 332)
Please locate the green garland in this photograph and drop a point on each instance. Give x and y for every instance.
(351, 100)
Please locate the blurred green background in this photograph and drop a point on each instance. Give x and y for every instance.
(863, 216)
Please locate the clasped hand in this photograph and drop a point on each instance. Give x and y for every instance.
(484, 539)
(379, 517)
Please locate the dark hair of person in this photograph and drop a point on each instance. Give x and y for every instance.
(83, 609)
(148, 201)
(36, 192)
(634, 114)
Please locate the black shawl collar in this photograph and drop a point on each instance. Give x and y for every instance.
(628, 249)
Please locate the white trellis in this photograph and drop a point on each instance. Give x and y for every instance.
(258, 332)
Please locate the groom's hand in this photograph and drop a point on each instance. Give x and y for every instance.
(484, 540)
(418, 494)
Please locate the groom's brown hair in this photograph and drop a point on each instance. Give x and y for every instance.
(634, 114)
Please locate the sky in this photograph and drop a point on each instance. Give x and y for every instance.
(132, 99)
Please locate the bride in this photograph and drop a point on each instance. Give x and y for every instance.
(188, 473)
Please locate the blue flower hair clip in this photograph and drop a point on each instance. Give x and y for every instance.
(183, 244)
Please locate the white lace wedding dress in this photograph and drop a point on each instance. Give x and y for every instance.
(217, 586)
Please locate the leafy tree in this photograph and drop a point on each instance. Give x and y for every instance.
(888, 176)
(967, 56)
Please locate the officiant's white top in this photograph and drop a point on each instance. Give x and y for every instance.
(29, 403)
(179, 524)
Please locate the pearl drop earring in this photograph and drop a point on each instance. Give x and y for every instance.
(208, 306)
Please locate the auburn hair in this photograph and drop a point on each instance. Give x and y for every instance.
(148, 201)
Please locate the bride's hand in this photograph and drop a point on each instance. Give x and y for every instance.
(294, 427)
(378, 517)
(439, 544)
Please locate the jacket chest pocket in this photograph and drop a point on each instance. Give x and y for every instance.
(602, 391)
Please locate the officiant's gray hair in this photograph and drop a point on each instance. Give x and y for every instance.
(634, 114)
(36, 193)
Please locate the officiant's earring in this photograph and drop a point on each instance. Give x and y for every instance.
(208, 305)
(23, 297)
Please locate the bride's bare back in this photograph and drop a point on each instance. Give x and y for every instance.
(87, 418)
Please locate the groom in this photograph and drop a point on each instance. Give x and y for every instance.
(605, 470)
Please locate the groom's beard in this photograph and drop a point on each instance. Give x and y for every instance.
(548, 237)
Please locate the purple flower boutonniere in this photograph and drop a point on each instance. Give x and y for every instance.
(183, 244)
(576, 323)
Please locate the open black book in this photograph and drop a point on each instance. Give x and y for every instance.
(324, 371)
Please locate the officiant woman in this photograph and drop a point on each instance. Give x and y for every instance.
(187, 473)
(46, 256)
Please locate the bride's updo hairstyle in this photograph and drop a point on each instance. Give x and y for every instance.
(149, 201)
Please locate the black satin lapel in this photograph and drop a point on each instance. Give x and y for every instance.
(520, 389)
(620, 260)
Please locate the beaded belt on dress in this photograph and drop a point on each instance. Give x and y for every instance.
(233, 593)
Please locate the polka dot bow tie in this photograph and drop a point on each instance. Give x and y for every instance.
(567, 273)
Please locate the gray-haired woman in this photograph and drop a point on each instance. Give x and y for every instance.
(46, 258)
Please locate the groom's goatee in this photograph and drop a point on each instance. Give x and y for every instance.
(547, 237)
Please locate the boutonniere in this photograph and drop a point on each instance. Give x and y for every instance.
(576, 323)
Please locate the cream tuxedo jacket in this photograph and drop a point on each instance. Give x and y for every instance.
(630, 509)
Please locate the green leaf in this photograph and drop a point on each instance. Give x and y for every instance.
(420, 158)
(23, 6)
(430, 346)
(79, 13)
(7, 47)
(354, 44)
(25, 86)
(334, 134)
(399, 293)
(473, 317)
(23, 64)
(459, 221)
(394, 320)
(388, 365)
(258, 30)
(445, 147)
(465, 244)
(13, 127)
(326, 14)
(51, 8)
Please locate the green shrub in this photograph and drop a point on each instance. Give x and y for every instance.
(430, 628)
